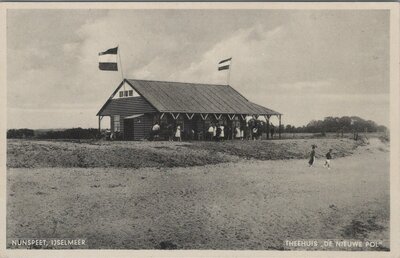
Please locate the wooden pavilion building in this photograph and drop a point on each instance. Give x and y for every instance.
(136, 105)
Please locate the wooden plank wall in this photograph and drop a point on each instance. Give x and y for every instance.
(142, 127)
(127, 106)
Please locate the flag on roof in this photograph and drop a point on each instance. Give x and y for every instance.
(224, 64)
(108, 60)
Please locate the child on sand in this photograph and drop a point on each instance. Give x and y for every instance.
(312, 156)
(328, 159)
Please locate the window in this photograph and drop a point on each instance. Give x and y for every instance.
(125, 93)
(117, 124)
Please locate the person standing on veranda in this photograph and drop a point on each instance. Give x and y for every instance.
(222, 134)
(211, 132)
(156, 131)
(237, 132)
(178, 133)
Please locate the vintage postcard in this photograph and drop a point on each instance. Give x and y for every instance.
(200, 130)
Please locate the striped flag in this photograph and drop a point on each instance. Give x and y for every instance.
(224, 64)
(108, 60)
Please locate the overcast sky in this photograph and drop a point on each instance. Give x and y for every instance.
(304, 64)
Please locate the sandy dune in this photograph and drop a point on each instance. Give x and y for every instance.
(242, 205)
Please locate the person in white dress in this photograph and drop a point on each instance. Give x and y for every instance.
(214, 132)
(237, 135)
(156, 131)
(178, 133)
(211, 132)
(222, 135)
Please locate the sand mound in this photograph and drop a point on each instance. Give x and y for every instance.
(29, 153)
(373, 145)
(130, 155)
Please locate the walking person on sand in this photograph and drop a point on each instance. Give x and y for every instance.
(312, 156)
(328, 159)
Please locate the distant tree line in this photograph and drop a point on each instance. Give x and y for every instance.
(330, 124)
(73, 133)
(343, 124)
(20, 133)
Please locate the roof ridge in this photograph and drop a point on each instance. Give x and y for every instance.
(179, 82)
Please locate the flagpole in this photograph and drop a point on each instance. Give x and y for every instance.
(120, 62)
(229, 71)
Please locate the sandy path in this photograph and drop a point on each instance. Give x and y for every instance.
(245, 205)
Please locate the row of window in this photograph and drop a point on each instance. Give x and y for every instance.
(126, 93)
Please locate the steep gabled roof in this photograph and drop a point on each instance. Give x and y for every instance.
(177, 97)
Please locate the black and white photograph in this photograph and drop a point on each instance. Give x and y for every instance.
(178, 128)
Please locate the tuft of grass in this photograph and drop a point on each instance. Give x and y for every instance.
(360, 230)
(167, 245)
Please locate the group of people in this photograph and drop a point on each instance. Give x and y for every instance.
(220, 132)
(251, 131)
(328, 157)
(109, 135)
(171, 132)
(214, 131)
